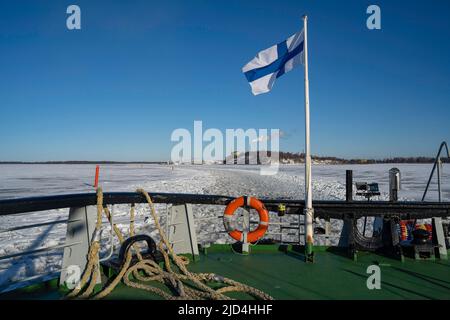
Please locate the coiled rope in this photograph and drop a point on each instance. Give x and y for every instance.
(186, 285)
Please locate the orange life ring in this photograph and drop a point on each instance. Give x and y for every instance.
(254, 235)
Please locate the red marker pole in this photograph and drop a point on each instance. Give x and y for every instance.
(97, 172)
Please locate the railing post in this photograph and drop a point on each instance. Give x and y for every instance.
(437, 159)
(349, 185)
(348, 223)
(394, 184)
(439, 164)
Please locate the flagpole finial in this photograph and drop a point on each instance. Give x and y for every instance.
(305, 17)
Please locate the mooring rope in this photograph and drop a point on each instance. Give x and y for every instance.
(186, 284)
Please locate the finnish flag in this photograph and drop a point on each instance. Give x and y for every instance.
(273, 62)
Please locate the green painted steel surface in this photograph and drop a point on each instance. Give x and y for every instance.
(285, 275)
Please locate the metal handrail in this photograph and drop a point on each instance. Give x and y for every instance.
(60, 246)
(50, 248)
(24, 253)
(36, 225)
(30, 252)
(323, 208)
(436, 164)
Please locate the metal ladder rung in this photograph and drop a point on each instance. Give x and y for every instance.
(296, 228)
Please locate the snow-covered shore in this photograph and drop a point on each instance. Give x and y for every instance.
(34, 180)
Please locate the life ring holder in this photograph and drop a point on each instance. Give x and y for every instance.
(241, 236)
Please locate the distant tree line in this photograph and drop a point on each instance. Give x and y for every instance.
(300, 158)
(83, 162)
(250, 157)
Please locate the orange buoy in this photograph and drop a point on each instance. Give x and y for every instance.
(254, 203)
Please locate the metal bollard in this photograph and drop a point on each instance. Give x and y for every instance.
(394, 184)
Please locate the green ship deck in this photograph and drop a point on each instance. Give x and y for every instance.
(285, 275)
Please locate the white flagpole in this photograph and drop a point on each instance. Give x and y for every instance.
(308, 211)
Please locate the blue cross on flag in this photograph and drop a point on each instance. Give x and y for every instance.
(273, 62)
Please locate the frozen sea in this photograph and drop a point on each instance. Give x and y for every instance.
(25, 180)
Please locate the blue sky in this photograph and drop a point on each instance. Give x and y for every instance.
(137, 70)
